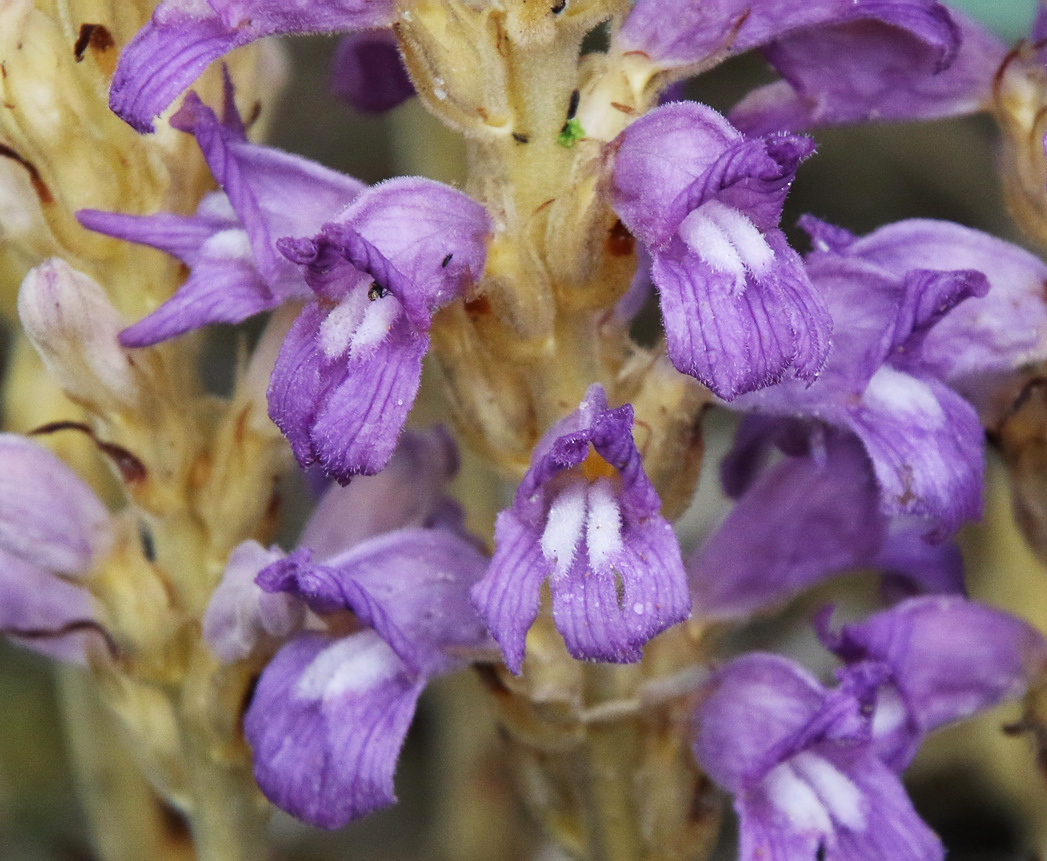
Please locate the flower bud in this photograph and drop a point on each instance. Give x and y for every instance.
(73, 326)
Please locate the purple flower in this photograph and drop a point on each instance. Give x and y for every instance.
(229, 245)
(803, 519)
(984, 347)
(184, 36)
(738, 308)
(585, 518)
(806, 780)
(945, 658)
(53, 531)
(812, 514)
(840, 60)
(813, 771)
(330, 711)
(350, 367)
(924, 441)
(881, 61)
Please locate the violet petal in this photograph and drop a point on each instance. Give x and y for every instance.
(926, 444)
(508, 596)
(803, 520)
(410, 585)
(948, 658)
(408, 492)
(178, 43)
(326, 725)
(586, 517)
(875, 66)
(48, 611)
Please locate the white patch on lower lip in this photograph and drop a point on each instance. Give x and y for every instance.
(791, 794)
(352, 664)
(815, 794)
(231, 244)
(379, 317)
(836, 790)
(900, 393)
(338, 327)
(603, 533)
(563, 527)
(727, 241)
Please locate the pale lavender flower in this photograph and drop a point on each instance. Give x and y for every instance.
(812, 514)
(984, 347)
(806, 780)
(883, 61)
(738, 308)
(585, 518)
(924, 440)
(840, 60)
(377, 265)
(240, 619)
(330, 712)
(802, 520)
(53, 530)
(946, 658)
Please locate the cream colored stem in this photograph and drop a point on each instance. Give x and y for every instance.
(124, 814)
(227, 822)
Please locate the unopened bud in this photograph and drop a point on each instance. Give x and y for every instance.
(73, 326)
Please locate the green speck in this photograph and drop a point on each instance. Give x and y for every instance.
(571, 132)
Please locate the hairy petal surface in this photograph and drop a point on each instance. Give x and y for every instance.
(739, 310)
(508, 596)
(585, 518)
(350, 367)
